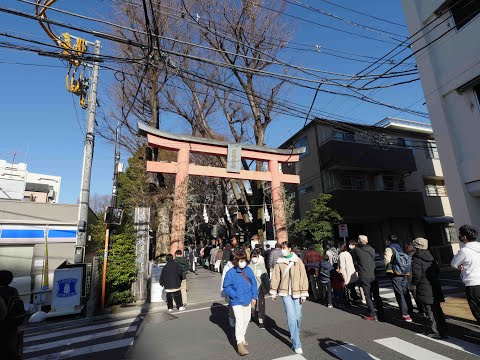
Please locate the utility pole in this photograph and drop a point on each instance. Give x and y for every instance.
(79, 256)
(113, 204)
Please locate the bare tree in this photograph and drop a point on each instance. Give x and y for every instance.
(98, 203)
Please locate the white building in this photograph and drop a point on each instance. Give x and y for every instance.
(16, 183)
(450, 73)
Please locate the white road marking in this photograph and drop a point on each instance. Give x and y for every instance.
(50, 335)
(291, 357)
(410, 350)
(86, 350)
(350, 352)
(79, 339)
(457, 344)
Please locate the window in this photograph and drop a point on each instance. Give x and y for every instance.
(353, 182)
(306, 190)
(393, 183)
(431, 151)
(435, 187)
(463, 11)
(303, 142)
(345, 136)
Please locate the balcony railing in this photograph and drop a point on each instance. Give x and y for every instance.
(363, 188)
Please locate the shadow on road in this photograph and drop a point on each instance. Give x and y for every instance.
(219, 316)
(276, 331)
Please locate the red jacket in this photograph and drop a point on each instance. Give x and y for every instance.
(312, 259)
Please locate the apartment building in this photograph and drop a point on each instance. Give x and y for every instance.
(449, 68)
(384, 179)
(16, 183)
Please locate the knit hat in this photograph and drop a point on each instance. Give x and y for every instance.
(420, 243)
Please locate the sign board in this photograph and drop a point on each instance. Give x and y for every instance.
(67, 287)
(156, 291)
(234, 158)
(343, 230)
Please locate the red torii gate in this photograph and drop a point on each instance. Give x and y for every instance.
(185, 145)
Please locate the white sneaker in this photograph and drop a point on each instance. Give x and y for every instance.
(170, 310)
(330, 306)
(181, 308)
(299, 351)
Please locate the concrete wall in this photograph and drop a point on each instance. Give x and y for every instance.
(455, 118)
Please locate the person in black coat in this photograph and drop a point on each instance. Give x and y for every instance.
(8, 327)
(364, 259)
(425, 278)
(171, 281)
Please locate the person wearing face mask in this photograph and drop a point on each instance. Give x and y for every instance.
(468, 261)
(290, 281)
(240, 286)
(257, 264)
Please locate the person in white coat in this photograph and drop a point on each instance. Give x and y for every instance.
(257, 264)
(468, 261)
(231, 315)
(350, 276)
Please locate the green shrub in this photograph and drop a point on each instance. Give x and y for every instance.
(121, 297)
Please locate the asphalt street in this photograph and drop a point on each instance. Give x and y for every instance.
(202, 332)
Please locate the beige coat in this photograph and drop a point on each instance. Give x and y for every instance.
(296, 277)
(347, 268)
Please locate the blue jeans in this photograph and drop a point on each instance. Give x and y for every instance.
(400, 288)
(293, 310)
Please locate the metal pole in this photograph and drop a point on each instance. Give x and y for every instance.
(104, 273)
(87, 165)
(116, 160)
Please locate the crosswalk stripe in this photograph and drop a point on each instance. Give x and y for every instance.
(292, 357)
(410, 350)
(86, 350)
(350, 352)
(77, 330)
(457, 344)
(79, 339)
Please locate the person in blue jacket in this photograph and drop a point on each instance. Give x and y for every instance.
(240, 286)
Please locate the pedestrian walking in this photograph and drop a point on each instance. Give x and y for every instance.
(12, 312)
(364, 260)
(257, 264)
(398, 267)
(349, 273)
(218, 260)
(290, 281)
(213, 254)
(410, 250)
(193, 259)
(468, 261)
(312, 259)
(325, 273)
(171, 281)
(266, 256)
(275, 254)
(425, 277)
(338, 286)
(183, 262)
(332, 252)
(231, 315)
(241, 287)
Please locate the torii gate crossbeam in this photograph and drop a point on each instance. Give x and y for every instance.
(185, 145)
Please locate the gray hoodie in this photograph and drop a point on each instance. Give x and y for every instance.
(469, 257)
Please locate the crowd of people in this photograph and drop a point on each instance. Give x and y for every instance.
(337, 277)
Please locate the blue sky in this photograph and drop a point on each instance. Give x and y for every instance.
(39, 122)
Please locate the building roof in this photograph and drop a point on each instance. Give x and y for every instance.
(20, 212)
(382, 126)
(43, 188)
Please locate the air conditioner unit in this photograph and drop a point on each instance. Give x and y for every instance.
(51, 194)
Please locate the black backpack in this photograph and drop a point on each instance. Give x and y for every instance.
(15, 308)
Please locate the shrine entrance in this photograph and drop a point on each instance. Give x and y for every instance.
(182, 168)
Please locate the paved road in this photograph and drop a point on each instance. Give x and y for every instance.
(81, 339)
(202, 332)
